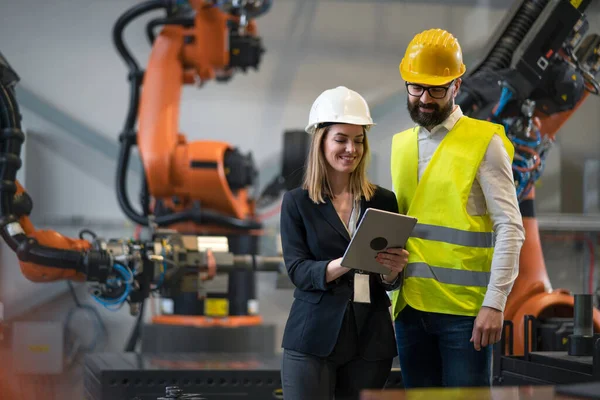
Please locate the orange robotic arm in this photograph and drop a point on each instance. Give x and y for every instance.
(535, 74)
(44, 255)
(52, 239)
(122, 270)
(205, 182)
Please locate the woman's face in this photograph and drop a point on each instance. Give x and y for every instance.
(343, 147)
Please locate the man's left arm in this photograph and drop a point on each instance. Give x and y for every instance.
(495, 177)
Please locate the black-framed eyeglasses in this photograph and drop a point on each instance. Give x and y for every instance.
(435, 92)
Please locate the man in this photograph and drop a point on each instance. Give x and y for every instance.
(453, 173)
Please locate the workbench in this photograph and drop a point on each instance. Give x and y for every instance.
(128, 376)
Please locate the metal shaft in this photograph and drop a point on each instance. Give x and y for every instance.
(583, 315)
(260, 263)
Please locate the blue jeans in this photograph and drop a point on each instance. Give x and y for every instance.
(434, 351)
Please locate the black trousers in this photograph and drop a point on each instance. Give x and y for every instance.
(341, 375)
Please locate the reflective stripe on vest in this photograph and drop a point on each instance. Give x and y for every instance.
(447, 275)
(450, 251)
(454, 236)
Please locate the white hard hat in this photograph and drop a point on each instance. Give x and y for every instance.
(339, 105)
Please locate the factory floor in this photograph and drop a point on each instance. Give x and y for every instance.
(563, 265)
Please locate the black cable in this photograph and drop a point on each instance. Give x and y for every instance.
(26, 248)
(145, 195)
(87, 231)
(127, 139)
(501, 56)
(136, 331)
(125, 19)
(122, 198)
(11, 138)
(5, 110)
(183, 21)
(73, 294)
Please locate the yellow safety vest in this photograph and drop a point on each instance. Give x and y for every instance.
(450, 251)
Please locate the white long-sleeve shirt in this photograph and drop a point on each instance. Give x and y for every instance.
(493, 191)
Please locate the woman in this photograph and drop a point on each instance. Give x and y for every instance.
(333, 344)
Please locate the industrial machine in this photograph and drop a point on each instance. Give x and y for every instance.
(539, 67)
(579, 363)
(201, 40)
(202, 187)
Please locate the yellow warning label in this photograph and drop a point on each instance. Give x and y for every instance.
(576, 3)
(39, 348)
(216, 307)
(564, 97)
(574, 77)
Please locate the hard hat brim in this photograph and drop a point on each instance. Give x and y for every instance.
(425, 79)
(311, 128)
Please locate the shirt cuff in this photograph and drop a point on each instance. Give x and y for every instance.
(494, 299)
(389, 286)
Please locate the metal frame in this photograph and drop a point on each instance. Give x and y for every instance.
(540, 368)
(127, 376)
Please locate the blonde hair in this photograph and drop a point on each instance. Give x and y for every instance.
(316, 181)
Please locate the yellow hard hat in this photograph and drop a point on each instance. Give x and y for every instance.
(433, 57)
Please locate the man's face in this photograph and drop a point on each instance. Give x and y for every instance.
(428, 105)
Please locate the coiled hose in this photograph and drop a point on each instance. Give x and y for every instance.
(479, 88)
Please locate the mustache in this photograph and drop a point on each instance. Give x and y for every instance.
(429, 106)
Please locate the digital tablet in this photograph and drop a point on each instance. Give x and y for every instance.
(378, 230)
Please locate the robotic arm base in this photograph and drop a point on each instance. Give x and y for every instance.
(557, 303)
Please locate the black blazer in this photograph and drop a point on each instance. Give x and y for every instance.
(312, 235)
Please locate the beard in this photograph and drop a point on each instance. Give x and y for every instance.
(429, 119)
